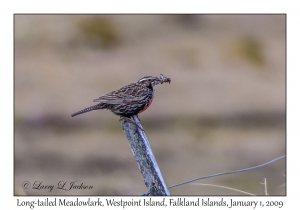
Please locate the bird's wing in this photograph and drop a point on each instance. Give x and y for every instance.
(116, 99)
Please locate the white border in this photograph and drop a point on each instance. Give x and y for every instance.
(55, 6)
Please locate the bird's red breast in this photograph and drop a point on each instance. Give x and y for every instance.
(146, 107)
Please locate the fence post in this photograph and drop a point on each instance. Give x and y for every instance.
(145, 159)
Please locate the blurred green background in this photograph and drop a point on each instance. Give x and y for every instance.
(224, 110)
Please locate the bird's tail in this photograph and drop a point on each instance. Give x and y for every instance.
(91, 108)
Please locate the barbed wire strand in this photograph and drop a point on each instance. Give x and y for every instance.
(224, 173)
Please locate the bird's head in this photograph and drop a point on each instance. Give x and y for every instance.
(152, 81)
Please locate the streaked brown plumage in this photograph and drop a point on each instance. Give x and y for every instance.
(129, 100)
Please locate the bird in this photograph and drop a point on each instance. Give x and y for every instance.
(129, 100)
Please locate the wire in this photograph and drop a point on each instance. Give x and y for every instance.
(224, 173)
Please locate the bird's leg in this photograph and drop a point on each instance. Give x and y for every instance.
(131, 121)
(138, 118)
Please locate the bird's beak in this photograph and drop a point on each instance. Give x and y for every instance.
(164, 79)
